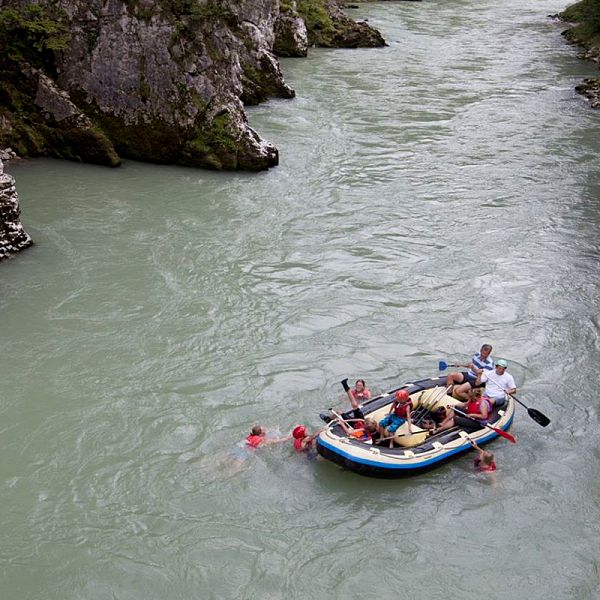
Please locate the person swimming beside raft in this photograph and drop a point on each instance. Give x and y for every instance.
(357, 396)
(303, 441)
(258, 437)
(484, 461)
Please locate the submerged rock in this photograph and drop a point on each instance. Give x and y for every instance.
(13, 238)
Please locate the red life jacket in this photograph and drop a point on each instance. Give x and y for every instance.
(364, 395)
(298, 445)
(362, 435)
(474, 406)
(401, 410)
(254, 440)
(485, 468)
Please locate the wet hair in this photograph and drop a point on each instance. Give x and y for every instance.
(257, 430)
(486, 347)
(361, 381)
(487, 458)
(370, 425)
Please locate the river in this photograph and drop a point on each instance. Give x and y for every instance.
(432, 195)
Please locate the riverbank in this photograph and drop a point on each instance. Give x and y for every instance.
(584, 31)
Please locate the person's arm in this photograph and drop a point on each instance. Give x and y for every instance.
(277, 440)
(474, 444)
(349, 393)
(408, 418)
(347, 430)
(479, 451)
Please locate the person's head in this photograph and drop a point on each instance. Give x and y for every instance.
(370, 425)
(501, 366)
(485, 351)
(402, 397)
(487, 458)
(476, 393)
(360, 385)
(258, 430)
(299, 432)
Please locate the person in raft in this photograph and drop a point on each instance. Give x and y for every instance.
(363, 431)
(498, 385)
(478, 407)
(463, 381)
(258, 437)
(357, 396)
(484, 461)
(398, 415)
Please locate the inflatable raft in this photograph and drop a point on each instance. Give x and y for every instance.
(412, 454)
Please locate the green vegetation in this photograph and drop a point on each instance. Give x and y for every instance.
(32, 33)
(213, 147)
(315, 15)
(586, 15)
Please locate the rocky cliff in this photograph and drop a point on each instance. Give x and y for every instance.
(13, 237)
(167, 81)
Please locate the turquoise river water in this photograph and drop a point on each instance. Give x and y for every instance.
(432, 195)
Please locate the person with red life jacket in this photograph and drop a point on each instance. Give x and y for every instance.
(398, 415)
(303, 441)
(484, 461)
(258, 437)
(357, 396)
(478, 407)
(363, 431)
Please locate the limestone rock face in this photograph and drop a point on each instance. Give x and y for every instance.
(164, 82)
(13, 237)
(171, 89)
(291, 36)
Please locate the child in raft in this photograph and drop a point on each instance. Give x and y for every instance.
(399, 413)
(484, 461)
(364, 431)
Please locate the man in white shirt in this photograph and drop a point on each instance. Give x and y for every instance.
(499, 384)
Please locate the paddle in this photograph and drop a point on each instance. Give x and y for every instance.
(539, 417)
(442, 366)
(500, 432)
(536, 415)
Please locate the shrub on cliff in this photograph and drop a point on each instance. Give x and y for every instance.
(586, 14)
(32, 33)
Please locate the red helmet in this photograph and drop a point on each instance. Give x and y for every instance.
(299, 432)
(402, 395)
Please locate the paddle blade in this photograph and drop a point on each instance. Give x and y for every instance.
(505, 435)
(442, 366)
(538, 417)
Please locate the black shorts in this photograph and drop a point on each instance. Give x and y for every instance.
(471, 380)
